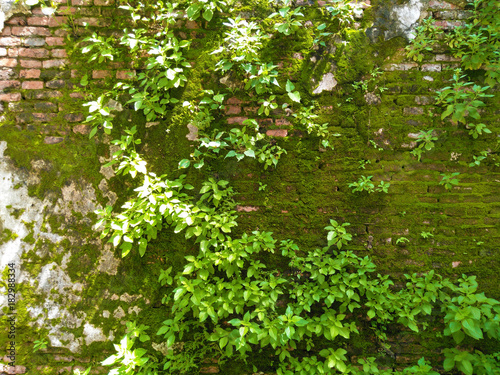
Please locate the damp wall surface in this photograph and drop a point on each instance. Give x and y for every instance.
(73, 289)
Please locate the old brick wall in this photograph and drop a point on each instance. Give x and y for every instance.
(41, 95)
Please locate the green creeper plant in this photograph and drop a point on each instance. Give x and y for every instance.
(425, 142)
(366, 184)
(449, 180)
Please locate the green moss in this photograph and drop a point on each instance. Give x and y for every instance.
(7, 235)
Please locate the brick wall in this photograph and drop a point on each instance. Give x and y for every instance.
(41, 98)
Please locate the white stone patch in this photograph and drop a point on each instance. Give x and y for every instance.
(406, 17)
(93, 334)
(108, 263)
(52, 282)
(328, 82)
(134, 309)
(11, 7)
(118, 313)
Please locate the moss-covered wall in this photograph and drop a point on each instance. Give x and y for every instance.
(73, 289)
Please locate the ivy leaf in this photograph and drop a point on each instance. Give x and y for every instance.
(289, 86)
(193, 10)
(208, 14)
(143, 244)
(184, 163)
(250, 153)
(295, 96)
(448, 364)
(126, 247)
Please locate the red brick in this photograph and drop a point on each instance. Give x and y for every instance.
(16, 21)
(35, 53)
(30, 31)
(32, 85)
(246, 208)
(191, 25)
(234, 100)
(413, 111)
(43, 94)
(74, 117)
(99, 74)
(431, 68)
(29, 73)
(6, 31)
(13, 52)
(81, 2)
(277, 133)
(60, 53)
(66, 10)
(8, 63)
(54, 63)
(236, 120)
(12, 84)
(52, 41)
(10, 41)
(442, 57)
(57, 21)
(30, 63)
(76, 95)
(10, 97)
(43, 117)
(82, 129)
(393, 67)
(437, 4)
(448, 24)
(125, 74)
(61, 32)
(51, 141)
(38, 21)
(91, 21)
(233, 110)
(104, 2)
(282, 122)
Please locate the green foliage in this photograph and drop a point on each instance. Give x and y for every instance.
(288, 17)
(425, 142)
(206, 8)
(449, 180)
(231, 301)
(40, 345)
(337, 234)
(478, 159)
(462, 101)
(426, 235)
(426, 35)
(472, 363)
(305, 119)
(366, 184)
(402, 240)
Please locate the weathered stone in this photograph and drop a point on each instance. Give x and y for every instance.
(53, 140)
(372, 99)
(327, 83)
(393, 20)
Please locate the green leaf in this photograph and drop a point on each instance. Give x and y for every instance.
(295, 96)
(448, 364)
(223, 341)
(208, 14)
(466, 367)
(289, 86)
(184, 163)
(250, 153)
(143, 244)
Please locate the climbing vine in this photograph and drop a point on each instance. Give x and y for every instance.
(229, 302)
